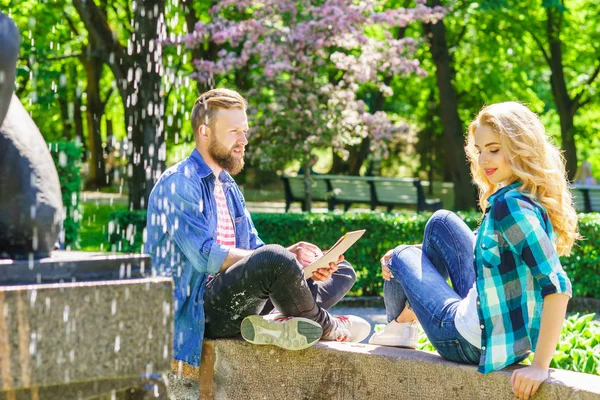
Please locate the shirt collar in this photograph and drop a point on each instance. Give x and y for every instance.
(501, 191)
(204, 170)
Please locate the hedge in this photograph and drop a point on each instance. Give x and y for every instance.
(67, 158)
(383, 232)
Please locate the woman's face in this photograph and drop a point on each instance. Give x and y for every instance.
(492, 159)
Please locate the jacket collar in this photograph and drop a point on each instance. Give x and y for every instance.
(204, 170)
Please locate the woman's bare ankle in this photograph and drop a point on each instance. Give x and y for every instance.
(407, 315)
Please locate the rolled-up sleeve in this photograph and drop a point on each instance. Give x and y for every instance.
(522, 229)
(188, 227)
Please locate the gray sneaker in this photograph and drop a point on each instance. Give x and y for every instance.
(290, 333)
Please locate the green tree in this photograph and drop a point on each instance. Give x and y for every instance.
(137, 67)
(566, 36)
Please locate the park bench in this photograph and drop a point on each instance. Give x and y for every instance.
(294, 190)
(348, 190)
(586, 198)
(397, 191)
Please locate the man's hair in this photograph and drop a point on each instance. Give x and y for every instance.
(208, 103)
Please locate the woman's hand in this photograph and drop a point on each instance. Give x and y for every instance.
(526, 381)
(385, 271)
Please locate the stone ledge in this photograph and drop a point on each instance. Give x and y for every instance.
(360, 371)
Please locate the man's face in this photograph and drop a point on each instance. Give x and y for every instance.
(227, 139)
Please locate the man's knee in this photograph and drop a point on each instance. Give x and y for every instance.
(278, 258)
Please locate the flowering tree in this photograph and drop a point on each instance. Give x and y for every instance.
(307, 61)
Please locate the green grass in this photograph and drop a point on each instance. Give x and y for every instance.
(94, 226)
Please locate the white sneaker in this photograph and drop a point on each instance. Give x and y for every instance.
(397, 334)
(348, 328)
(290, 333)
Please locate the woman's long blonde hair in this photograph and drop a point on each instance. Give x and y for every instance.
(535, 161)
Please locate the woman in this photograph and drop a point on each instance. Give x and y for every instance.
(509, 292)
(584, 176)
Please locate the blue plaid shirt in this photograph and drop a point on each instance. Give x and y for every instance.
(517, 266)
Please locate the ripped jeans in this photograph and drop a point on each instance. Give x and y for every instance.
(420, 278)
(270, 277)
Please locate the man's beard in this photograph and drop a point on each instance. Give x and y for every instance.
(225, 158)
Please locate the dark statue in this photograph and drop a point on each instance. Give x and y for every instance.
(30, 197)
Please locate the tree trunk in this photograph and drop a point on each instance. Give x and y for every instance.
(358, 155)
(78, 121)
(67, 123)
(464, 192)
(337, 166)
(307, 186)
(198, 53)
(144, 116)
(94, 113)
(137, 72)
(565, 106)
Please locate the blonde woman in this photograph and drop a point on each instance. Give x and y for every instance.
(509, 292)
(584, 176)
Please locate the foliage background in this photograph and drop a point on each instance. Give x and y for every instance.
(384, 231)
(67, 159)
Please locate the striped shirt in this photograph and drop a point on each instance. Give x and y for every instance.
(517, 266)
(225, 230)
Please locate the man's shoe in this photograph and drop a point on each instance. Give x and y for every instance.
(290, 333)
(397, 334)
(348, 328)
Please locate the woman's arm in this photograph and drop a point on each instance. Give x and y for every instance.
(526, 381)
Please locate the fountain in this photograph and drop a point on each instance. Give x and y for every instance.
(72, 324)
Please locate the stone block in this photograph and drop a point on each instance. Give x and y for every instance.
(77, 333)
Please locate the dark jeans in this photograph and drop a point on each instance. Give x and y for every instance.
(420, 277)
(270, 277)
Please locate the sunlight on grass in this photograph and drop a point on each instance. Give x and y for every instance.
(93, 233)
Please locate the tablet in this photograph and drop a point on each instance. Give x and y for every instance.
(343, 244)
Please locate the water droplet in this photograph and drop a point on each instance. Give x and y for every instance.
(65, 313)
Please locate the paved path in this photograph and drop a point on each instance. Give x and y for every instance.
(374, 315)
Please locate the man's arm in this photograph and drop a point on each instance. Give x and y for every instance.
(234, 256)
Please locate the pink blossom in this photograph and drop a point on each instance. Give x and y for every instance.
(299, 107)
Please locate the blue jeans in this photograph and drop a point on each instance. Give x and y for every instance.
(420, 278)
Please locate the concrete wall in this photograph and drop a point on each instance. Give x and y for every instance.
(358, 371)
(74, 340)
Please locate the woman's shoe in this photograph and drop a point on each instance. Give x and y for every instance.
(397, 334)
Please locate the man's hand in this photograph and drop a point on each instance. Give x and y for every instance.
(526, 381)
(324, 274)
(305, 252)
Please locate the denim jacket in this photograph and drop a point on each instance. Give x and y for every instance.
(181, 239)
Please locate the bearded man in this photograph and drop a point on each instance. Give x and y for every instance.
(227, 281)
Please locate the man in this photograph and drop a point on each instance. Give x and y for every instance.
(200, 233)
